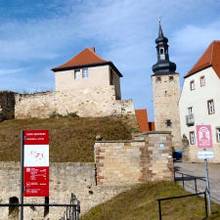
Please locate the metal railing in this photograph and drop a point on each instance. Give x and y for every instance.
(183, 177)
(72, 212)
(180, 197)
(72, 209)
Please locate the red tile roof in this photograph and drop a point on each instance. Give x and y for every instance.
(85, 58)
(142, 119)
(211, 57)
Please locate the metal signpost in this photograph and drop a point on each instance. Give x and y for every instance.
(204, 141)
(34, 165)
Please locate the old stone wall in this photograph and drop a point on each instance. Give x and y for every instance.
(65, 178)
(90, 102)
(7, 105)
(148, 157)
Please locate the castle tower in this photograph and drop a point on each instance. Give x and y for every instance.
(166, 91)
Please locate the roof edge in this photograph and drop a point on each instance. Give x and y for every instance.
(56, 69)
(193, 73)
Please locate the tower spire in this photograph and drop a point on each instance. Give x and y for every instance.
(163, 65)
(160, 29)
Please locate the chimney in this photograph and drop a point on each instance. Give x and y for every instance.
(93, 48)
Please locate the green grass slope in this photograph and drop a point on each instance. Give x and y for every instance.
(71, 138)
(140, 203)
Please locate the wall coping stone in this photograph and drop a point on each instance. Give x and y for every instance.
(118, 141)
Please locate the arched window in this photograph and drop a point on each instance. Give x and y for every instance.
(13, 210)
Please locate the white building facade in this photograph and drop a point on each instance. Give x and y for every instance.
(200, 101)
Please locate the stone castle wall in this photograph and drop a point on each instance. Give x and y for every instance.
(64, 178)
(166, 94)
(91, 102)
(147, 157)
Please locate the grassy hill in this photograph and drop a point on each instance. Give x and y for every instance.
(140, 203)
(71, 138)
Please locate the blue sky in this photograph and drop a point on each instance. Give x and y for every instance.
(36, 35)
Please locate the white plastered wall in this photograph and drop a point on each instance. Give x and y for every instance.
(197, 99)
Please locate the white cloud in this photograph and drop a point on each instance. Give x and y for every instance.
(193, 38)
(9, 71)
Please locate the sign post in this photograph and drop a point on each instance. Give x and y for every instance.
(35, 164)
(22, 175)
(204, 141)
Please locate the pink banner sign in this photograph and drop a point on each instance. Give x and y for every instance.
(204, 136)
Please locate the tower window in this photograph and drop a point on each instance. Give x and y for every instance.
(168, 123)
(171, 78)
(161, 52)
(158, 79)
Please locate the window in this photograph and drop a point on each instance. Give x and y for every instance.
(202, 81)
(168, 123)
(77, 74)
(192, 137)
(85, 74)
(218, 135)
(211, 107)
(192, 85)
(190, 110)
(171, 78)
(162, 55)
(158, 79)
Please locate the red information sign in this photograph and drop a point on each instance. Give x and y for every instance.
(36, 137)
(204, 136)
(36, 181)
(36, 163)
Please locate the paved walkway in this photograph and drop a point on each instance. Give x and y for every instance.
(198, 169)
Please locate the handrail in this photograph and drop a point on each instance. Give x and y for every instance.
(183, 196)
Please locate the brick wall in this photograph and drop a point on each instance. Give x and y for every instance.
(148, 157)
